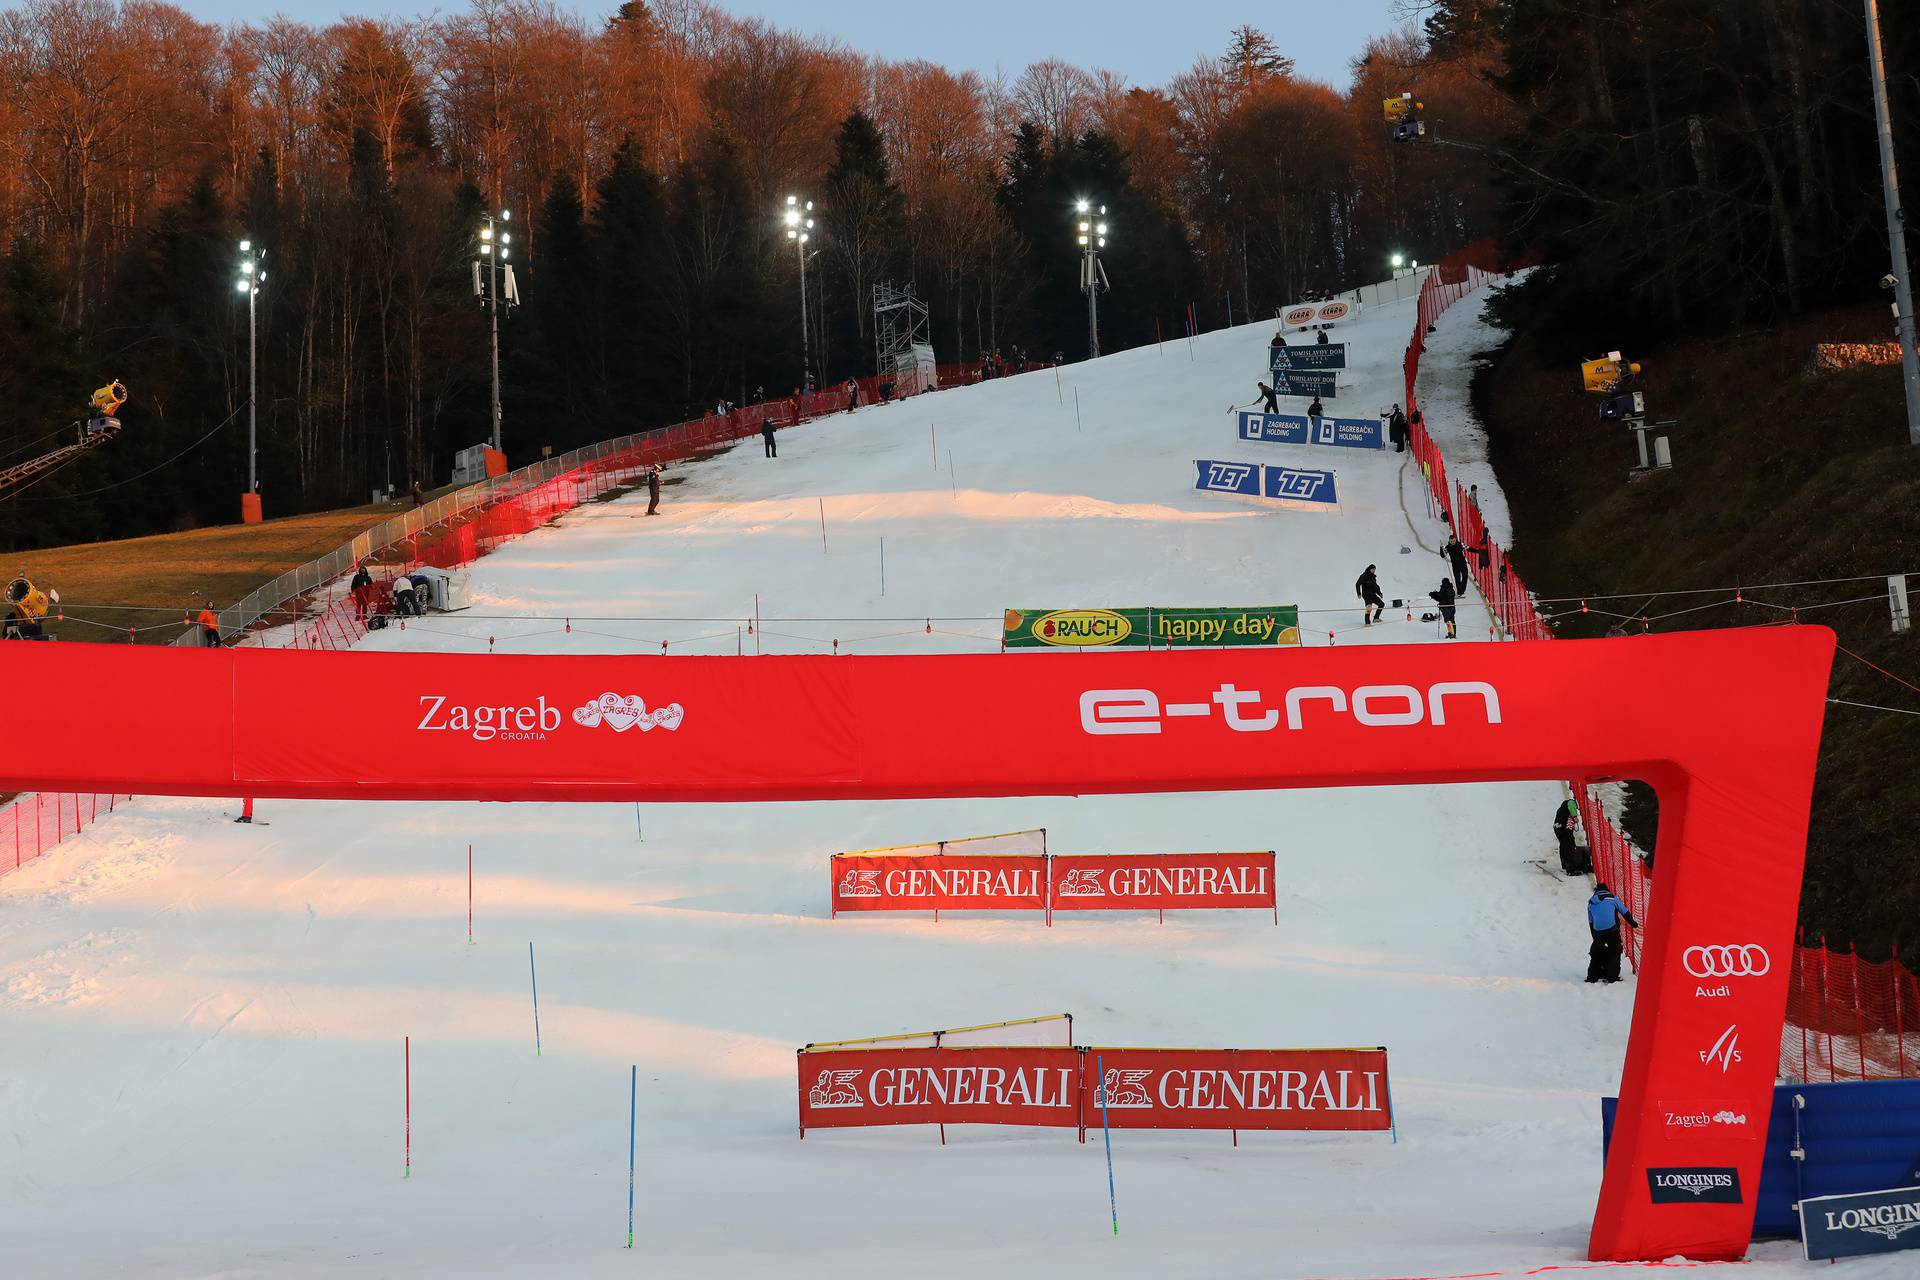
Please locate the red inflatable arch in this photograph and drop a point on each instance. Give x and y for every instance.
(1724, 724)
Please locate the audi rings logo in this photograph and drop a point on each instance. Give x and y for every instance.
(1739, 961)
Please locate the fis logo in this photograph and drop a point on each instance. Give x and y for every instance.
(1725, 1051)
(1228, 477)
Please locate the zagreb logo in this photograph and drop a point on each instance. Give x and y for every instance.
(621, 714)
(835, 1089)
(1228, 476)
(860, 884)
(1288, 483)
(1125, 1089)
(1725, 1051)
(1081, 882)
(1737, 961)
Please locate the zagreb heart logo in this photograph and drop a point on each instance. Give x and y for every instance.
(621, 714)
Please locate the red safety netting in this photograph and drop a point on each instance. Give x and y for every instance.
(35, 823)
(1850, 1019)
(1616, 863)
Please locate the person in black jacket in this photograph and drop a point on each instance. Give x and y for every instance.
(1314, 411)
(1456, 555)
(1269, 403)
(361, 588)
(653, 490)
(1372, 603)
(1444, 597)
(1322, 339)
(1397, 430)
(1279, 339)
(766, 434)
(1563, 832)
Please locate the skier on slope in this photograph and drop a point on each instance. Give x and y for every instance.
(1456, 555)
(1269, 402)
(1444, 597)
(766, 434)
(1604, 913)
(1372, 604)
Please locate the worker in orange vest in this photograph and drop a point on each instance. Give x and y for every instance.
(209, 623)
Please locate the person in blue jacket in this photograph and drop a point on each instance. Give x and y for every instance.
(1604, 913)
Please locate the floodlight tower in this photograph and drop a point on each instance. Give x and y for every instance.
(495, 248)
(798, 217)
(253, 274)
(1092, 233)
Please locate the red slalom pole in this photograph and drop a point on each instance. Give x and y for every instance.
(407, 1043)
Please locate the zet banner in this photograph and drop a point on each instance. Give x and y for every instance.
(1152, 627)
(1299, 488)
(1329, 355)
(1295, 382)
(1297, 428)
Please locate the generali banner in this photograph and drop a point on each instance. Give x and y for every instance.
(1239, 1088)
(939, 882)
(891, 881)
(1161, 881)
(1062, 1087)
(845, 1088)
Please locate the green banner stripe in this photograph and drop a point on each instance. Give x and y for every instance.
(1151, 627)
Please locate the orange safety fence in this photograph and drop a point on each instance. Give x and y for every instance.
(1849, 1018)
(32, 824)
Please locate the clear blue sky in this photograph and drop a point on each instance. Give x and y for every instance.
(1148, 41)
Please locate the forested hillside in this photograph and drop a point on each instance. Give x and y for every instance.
(645, 160)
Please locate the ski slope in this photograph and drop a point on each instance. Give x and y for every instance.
(201, 1023)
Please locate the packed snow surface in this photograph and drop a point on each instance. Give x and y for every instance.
(201, 1023)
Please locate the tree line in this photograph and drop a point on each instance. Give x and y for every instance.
(644, 160)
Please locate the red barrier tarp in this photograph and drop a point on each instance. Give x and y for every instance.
(1240, 1088)
(939, 882)
(1161, 881)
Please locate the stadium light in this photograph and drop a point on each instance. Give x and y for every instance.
(1090, 233)
(490, 237)
(798, 217)
(253, 274)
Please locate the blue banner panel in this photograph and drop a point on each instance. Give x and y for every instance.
(1300, 487)
(1329, 355)
(1241, 478)
(1295, 428)
(1295, 382)
(1867, 1222)
(1853, 1136)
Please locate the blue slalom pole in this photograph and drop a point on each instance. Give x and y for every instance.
(633, 1097)
(1106, 1131)
(533, 974)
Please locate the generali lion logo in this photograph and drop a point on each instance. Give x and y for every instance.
(1125, 1088)
(621, 714)
(860, 884)
(835, 1089)
(1081, 882)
